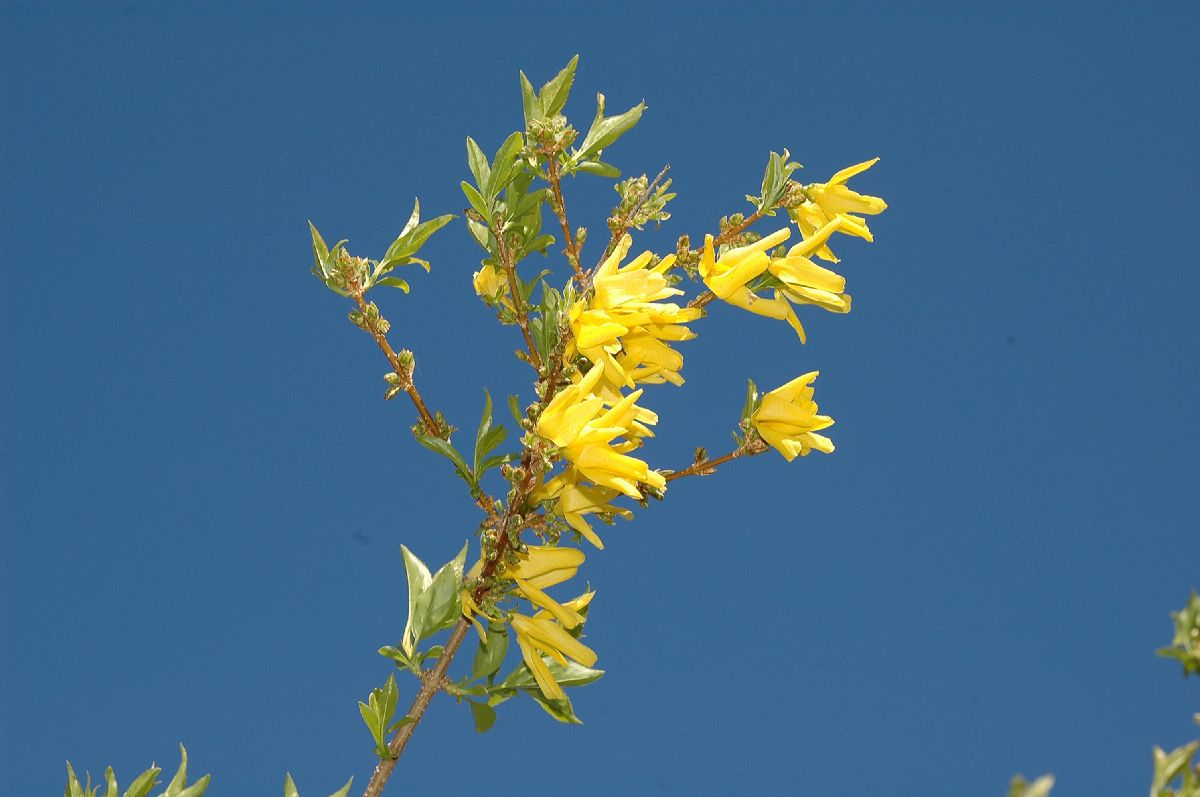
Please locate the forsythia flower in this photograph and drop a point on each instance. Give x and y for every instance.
(803, 281)
(540, 634)
(624, 323)
(832, 200)
(576, 500)
(491, 284)
(788, 420)
(544, 566)
(577, 422)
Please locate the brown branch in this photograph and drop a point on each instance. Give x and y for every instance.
(623, 225)
(560, 210)
(403, 373)
(434, 680)
(709, 466)
(519, 307)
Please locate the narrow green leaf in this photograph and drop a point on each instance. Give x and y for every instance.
(345, 790)
(561, 710)
(438, 606)
(485, 426)
(599, 168)
(498, 460)
(197, 789)
(180, 780)
(419, 579)
(370, 718)
(529, 102)
(74, 788)
(477, 201)
(604, 131)
(144, 782)
(448, 451)
(504, 166)
(320, 250)
(289, 786)
(484, 716)
(410, 242)
(554, 94)
(110, 780)
(393, 282)
(477, 162)
(413, 217)
(514, 407)
(751, 399)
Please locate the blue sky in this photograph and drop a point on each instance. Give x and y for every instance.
(202, 494)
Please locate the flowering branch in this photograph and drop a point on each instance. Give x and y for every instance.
(622, 223)
(707, 467)
(520, 307)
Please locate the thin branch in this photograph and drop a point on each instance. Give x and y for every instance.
(709, 466)
(623, 225)
(519, 307)
(402, 373)
(560, 210)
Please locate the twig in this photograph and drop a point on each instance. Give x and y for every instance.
(709, 466)
(560, 210)
(623, 224)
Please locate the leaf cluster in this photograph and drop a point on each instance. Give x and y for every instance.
(142, 784)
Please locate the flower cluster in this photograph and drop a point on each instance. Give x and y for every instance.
(595, 434)
(826, 202)
(624, 324)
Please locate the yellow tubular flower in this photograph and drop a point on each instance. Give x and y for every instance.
(727, 277)
(833, 200)
(626, 303)
(788, 419)
(577, 422)
(576, 500)
(544, 566)
(804, 281)
(540, 635)
(491, 284)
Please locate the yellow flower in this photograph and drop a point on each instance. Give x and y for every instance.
(788, 420)
(806, 282)
(576, 500)
(833, 200)
(577, 421)
(539, 635)
(623, 323)
(492, 285)
(544, 566)
(727, 277)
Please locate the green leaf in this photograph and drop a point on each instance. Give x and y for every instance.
(197, 789)
(144, 782)
(570, 675)
(413, 217)
(419, 579)
(504, 167)
(529, 103)
(477, 162)
(74, 788)
(393, 282)
(751, 399)
(110, 780)
(514, 406)
(320, 250)
(485, 428)
(176, 787)
(1019, 787)
(498, 460)
(438, 606)
(561, 710)
(604, 131)
(448, 451)
(396, 655)
(599, 168)
(554, 94)
(342, 792)
(489, 657)
(401, 252)
(477, 201)
(289, 786)
(484, 716)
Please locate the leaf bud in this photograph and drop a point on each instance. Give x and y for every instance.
(407, 360)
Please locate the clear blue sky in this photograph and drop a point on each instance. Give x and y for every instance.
(203, 494)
